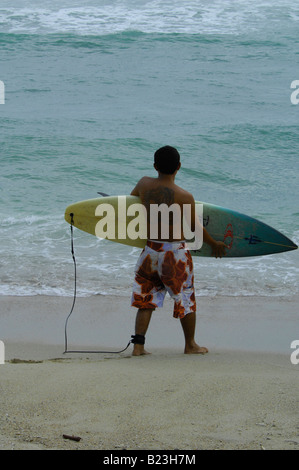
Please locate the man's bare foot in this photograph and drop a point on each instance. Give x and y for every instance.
(139, 350)
(195, 349)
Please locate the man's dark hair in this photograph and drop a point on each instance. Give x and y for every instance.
(167, 159)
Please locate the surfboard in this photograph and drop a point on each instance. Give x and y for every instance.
(244, 236)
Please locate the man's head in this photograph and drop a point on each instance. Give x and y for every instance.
(167, 160)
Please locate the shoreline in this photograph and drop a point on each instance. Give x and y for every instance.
(264, 324)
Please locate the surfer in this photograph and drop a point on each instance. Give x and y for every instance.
(165, 264)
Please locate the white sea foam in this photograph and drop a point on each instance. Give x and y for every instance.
(41, 263)
(192, 17)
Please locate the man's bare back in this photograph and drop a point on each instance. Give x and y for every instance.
(163, 190)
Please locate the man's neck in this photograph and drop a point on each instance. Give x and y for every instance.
(166, 178)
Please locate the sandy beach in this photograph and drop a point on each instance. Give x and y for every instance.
(242, 395)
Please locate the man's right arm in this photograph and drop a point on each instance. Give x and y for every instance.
(218, 247)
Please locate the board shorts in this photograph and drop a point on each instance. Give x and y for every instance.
(165, 267)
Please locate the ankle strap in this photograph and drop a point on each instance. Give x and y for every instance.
(138, 339)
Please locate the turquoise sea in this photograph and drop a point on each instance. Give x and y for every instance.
(93, 88)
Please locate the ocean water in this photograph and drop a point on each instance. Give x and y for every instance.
(93, 88)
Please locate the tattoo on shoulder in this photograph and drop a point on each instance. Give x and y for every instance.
(159, 196)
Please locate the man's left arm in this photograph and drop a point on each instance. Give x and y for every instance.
(135, 191)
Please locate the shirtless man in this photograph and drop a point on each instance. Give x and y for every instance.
(165, 265)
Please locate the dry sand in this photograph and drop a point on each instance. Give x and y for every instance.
(242, 395)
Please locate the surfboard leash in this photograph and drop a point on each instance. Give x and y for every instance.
(73, 305)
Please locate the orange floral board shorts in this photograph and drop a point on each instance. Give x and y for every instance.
(165, 267)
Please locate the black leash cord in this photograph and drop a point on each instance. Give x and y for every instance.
(74, 301)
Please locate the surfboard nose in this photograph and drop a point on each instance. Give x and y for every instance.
(290, 245)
